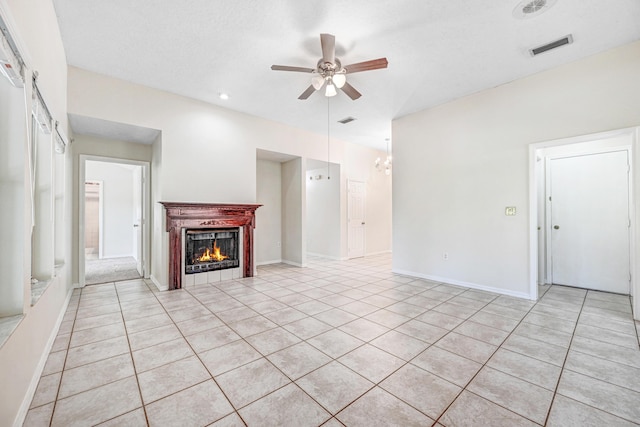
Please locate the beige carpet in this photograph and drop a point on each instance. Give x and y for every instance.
(110, 270)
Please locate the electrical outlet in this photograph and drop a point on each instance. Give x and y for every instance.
(278, 244)
(445, 256)
(510, 211)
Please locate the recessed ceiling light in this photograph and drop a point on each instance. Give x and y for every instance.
(530, 8)
(223, 96)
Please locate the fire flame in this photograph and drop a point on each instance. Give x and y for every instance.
(212, 255)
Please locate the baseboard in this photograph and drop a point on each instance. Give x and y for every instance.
(31, 391)
(157, 283)
(334, 258)
(117, 256)
(295, 264)
(388, 251)
(455, 282)
(275, 261)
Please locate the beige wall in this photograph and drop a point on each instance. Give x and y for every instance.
(457, 166)
(34, 27)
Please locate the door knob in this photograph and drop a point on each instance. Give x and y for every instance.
(136, 225)
(556, 227)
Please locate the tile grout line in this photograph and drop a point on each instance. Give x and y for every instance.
(55, 402)
(562, 369)
(133, 363)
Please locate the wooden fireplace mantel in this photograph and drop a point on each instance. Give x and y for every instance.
(207, 215)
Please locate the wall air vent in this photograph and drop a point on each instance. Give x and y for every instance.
(550, 46)
(346, 120)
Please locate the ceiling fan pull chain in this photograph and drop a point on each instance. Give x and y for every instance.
(328, 138)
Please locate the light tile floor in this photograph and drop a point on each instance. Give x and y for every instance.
(340, 343)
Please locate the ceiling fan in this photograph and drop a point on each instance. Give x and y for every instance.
(330, 73)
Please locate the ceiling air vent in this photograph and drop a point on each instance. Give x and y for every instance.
(553, 45)
(529, 8)
(346, 120)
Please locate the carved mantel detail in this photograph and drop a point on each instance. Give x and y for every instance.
(205, 215)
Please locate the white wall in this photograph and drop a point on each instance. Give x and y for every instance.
(457, 166)
(323, 209)
(34, 27)
(294, 242)
(118, 206)
(193, 135)
(268, 232)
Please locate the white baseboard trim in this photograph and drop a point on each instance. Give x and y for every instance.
(118, 256)
(378, 253)
(31, 391)
(455, 282)
(334, 258)
(157, 283)
(295, 264)
(275, 261)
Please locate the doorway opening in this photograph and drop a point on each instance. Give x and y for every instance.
(582, 212)
(113, 224)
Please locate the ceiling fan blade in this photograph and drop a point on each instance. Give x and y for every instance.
(351, 91)
(289, 68)
(373, 64)
(307, 93)
(328, 43)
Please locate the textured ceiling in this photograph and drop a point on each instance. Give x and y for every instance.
(437, 50)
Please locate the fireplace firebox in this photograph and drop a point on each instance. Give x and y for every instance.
(210, 250)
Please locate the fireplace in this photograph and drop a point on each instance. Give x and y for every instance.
(210, 250)
(185, 220)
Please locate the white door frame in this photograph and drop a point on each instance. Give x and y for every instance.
(146, 234)
(634, 152)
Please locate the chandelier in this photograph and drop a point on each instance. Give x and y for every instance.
(386, 165)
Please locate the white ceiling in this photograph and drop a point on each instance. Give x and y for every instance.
(437, 50)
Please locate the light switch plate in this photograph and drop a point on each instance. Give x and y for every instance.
(510, 211)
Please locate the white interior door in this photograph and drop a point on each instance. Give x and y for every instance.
(138, 191)
(590, 221)
(355, 217)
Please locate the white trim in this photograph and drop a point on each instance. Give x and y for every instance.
(331, 257)
(388, 251)
(274, 261)
(295, 264)
(157, 283)
(634, 132)
(470, 285)
(146, 209)
(119, 256)
(35, 379)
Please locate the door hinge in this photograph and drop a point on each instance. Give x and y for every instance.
(549, 198)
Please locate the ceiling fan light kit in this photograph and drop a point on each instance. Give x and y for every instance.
(330, 72)
(331, 90)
